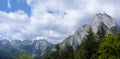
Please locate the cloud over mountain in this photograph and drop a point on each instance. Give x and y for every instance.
(53, 20)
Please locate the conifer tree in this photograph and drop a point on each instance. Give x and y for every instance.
(101, 32)
(56, 54)
(69, 52)
(89, 45)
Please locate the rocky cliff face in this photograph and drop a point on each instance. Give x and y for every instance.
(110, 27)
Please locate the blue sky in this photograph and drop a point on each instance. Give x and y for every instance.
(14, 5)
(53, 20)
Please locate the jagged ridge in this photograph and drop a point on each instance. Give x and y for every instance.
(34, 48)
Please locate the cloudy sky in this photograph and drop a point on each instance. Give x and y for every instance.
(52, 20)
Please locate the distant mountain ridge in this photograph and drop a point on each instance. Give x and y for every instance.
(110, 27)
(34, 48)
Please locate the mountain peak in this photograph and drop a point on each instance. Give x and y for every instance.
(101, 14)
(109, 25)
(102, 17)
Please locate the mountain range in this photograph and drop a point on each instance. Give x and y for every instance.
(35, 48)
(42, 47)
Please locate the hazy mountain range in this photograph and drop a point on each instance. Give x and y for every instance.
(16, 47)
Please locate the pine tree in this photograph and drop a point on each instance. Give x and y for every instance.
(83, 51)
(101, 32)
(69, 52)
(56, 54)
(89, 45)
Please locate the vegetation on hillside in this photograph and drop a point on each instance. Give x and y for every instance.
(25, 56)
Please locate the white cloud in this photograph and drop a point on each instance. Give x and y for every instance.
(13, 23)
(53, 20)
